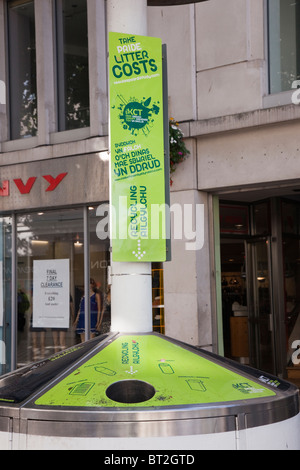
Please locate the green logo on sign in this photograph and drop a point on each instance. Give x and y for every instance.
(137, 115)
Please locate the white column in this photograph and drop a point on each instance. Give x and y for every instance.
(131, 295)
(127, 16)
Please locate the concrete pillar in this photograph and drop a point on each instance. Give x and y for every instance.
(97, 69)
(131, 295)
(187, 291)
(3, 75)
(45, 71)
(188, 279)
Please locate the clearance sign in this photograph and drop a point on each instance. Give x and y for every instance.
(137, 149)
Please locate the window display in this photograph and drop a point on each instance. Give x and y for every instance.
(50, 275)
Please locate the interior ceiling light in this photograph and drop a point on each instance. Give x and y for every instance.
(78, 243)
(39, 242)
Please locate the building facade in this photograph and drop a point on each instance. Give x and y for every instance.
(232, 283)
(244, 168)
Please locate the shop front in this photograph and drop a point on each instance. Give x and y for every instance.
(50, 245)
(260, 263)
(54, 251)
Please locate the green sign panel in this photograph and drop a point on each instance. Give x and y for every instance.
(176, 375)
(137, 149)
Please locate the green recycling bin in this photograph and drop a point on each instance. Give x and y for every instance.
(145, 391)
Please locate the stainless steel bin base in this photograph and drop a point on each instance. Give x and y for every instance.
(145, 391)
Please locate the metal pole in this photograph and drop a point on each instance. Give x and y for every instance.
(131, 294)
(87, 304)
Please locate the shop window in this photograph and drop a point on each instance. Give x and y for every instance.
(290, 218)
(284, 35)
(5, 293)
(291, 276)
(22, 69)
(291, 258)
(72, 64)
(51, 250)
(261, 219)
(99, 265)
(234, 219)
(234, 297)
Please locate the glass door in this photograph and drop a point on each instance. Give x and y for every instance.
(260, 308)
(50, 273)
(5, 293)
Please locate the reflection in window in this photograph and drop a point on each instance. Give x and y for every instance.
(291, 259)
(284, 35)
(22, 69)
(261, 218)
(72, 64)
(234, 219)
(290, 217)
(5, 295)
(47, 238)
(291, 272)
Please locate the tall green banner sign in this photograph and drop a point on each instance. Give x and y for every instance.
(137, 149)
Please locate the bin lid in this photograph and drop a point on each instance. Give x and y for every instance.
(139, 371)
(150, 371)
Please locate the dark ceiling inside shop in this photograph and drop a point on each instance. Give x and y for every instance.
(164, 3)
(232, 255)
(250, 195)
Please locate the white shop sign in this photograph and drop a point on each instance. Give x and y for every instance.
(51, 293)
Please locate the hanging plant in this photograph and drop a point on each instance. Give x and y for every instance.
(178, 150)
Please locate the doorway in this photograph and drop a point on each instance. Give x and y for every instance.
(260, 266)
(248, 325)
(234, 299)
(260, 306)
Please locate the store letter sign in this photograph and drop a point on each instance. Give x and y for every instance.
(25, 188)
(137, 149)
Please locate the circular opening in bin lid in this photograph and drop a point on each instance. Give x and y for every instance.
(130, 391)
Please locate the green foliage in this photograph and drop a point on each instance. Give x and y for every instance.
(178, 150)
